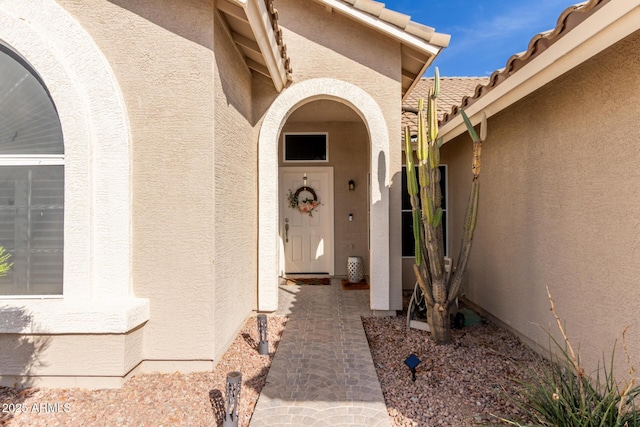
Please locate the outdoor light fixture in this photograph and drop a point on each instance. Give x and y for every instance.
(412, 362)
(234, 379)
(263, 344)
(352, 185)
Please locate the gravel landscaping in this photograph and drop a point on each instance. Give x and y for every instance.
(462, 384)
(154, 400)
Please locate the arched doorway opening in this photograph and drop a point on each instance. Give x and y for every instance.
(305, 108)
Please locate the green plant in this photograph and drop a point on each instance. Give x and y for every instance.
(564, 395)
(4, 265)
(424, 192)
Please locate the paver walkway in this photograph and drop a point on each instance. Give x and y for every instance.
(322, 373)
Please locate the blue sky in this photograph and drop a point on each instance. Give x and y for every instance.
(484, 34)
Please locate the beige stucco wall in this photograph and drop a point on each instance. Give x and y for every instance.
(236, 210)
(194, 111)
(170, 113)
(69, 360)
(349, 157)
(326, 44)
(193, 170)
(559, 207)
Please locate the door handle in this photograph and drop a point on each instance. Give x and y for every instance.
(286, 230)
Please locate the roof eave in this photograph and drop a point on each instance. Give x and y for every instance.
(377, 24)
(422, 39)
(259, 20)
(610, 24)
(426, 65)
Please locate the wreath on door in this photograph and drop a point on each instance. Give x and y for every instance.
(304, 205)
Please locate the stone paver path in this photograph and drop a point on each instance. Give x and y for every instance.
(322, 373)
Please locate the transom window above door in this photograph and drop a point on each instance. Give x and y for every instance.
(306, 147)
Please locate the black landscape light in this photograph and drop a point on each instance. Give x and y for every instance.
(234, 380)
(263, 344)
(412, 362)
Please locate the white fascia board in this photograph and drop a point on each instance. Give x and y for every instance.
(613, 22)
(258, 18)
(383, 27)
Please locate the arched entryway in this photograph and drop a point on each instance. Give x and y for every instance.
(360, 102)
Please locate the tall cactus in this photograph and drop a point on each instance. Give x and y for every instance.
(424, 192)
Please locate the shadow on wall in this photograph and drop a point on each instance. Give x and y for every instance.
(188, 19)
(19, 357)
(336, 33)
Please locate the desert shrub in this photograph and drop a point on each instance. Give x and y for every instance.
(4, 264)
(564, 395)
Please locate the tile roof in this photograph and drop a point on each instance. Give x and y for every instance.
(452, 91)
(400, 20)
(282, 47)
(568, 20)
(259, 41)
(419, 43)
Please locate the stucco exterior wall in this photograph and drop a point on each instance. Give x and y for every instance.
(349, 157)
(236, 210)
(326, 44)
(192, 112)
(69, 360)
(559, 207)
(169, 94)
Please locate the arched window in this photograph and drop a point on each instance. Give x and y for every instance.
(31, 180)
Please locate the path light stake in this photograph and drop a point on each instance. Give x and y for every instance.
(412, 362)
(234, 380)
(263, 345)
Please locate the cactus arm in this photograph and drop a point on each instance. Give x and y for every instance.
(471, 216)
(431, 201)
(467, 238)
(470, 128)
(412, 188)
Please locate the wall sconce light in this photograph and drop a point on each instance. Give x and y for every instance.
(352, 185)
(263, 344)
(234, 380)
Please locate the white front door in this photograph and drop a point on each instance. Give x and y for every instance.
(307, 238)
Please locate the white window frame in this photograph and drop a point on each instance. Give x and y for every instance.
(284, 147)
(32, 160)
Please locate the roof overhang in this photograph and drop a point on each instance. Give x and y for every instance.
(419, 44)
(606, 26)
(253, 26)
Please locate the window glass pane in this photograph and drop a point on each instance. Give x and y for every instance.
(29, 121)
(408, 245)
(443, 185)
(406, 199)
(305, 147)
(31, 228)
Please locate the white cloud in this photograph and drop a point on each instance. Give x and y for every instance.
(478, 44)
